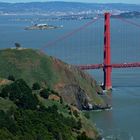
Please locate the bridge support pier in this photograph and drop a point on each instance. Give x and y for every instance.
(107, 54)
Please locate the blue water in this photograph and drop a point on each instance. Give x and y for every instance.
(123, 121)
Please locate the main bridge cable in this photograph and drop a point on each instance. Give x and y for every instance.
(128, 21)
(69, 34)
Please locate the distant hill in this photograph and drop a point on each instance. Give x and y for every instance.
(43, 7)
(133, 14)
(75, 86)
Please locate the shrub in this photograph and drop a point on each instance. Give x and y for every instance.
(5, 91)
(75, 113)
(17, 45)
(36, 86)
(11, 77)
(87, 115)
(45, 93)
(61, 100)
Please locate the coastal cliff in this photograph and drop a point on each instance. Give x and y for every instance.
(75, 86)
(48, 94)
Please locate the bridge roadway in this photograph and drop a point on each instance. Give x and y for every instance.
(101, 66)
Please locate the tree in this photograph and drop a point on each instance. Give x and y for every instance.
(21, 94)
(36, 86)
(45, 93)
(11, 77)
(29, 101)
(5, 91)
(17, 45)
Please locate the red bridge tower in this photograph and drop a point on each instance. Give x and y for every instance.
(107, 54)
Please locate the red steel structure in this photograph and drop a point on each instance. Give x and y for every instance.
(100, 66)
(107, 66)
(107, 53)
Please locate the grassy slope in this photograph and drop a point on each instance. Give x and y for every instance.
(27, 64)
(6, 104)
(33, 66)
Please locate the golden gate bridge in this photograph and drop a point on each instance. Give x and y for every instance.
(107, 66)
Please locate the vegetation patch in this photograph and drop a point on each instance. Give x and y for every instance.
(25, 114)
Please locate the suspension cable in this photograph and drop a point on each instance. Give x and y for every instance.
(128, 21)
(69, 34)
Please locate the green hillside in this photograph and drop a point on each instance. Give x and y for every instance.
(75, 87)
(27, 114)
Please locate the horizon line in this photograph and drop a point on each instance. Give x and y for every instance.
(71, 2)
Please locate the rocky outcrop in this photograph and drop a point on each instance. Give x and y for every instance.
(74, 95)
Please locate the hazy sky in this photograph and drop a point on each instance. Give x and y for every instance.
(99, 1)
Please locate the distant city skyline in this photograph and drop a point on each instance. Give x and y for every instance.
(89, 1)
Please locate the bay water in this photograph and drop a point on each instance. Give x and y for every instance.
(86, 47)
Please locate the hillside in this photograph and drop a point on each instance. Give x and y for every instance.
(133, 14)
(31, 114)
(75, 87)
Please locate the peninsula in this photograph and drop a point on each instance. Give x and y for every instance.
(49, 94)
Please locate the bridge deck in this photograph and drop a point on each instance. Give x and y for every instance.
(100, 66)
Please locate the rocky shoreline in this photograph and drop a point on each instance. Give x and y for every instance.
(96, 107)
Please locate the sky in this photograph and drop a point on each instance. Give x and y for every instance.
(89, 1)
